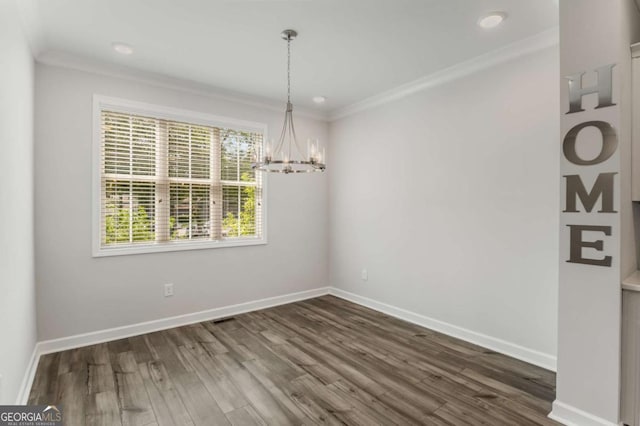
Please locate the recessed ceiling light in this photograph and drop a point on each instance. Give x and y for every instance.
(319, 99)
(122, 48)
(492, 20)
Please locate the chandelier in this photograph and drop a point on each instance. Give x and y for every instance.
(286, 156)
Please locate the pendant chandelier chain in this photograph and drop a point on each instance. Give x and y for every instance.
(289, 70)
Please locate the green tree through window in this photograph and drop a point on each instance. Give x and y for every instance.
(246, 224)
(118, 229)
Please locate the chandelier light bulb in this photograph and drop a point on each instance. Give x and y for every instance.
(313, 151)
(267, 150)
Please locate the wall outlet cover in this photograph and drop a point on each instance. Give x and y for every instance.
(168, 290)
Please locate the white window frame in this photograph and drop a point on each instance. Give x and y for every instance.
(101, 103)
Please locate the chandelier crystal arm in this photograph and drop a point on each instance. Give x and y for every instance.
(283, 133)
(295, 139)
(291, 138)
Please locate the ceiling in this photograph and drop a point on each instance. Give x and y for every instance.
(347, 50)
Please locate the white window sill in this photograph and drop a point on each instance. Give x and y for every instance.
(175, 246)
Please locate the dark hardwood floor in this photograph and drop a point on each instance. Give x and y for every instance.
(323, 360)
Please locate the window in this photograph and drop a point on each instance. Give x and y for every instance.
(174, 180)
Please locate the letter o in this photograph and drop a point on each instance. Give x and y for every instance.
(609, 143)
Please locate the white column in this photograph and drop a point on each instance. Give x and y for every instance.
(594, 33)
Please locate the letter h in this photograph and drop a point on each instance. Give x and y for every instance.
(604, 89)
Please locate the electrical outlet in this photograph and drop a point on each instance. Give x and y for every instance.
(364, 275)
(168, 290)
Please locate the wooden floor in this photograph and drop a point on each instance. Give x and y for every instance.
(323, 360)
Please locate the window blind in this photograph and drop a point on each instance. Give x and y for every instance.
(172, 182)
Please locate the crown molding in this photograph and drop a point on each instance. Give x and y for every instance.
(512, 51)
(66, 60)
(543, 40)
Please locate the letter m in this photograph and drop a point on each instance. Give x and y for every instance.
(602, 188)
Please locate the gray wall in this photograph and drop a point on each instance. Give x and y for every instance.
(17, 290)
(78, 293)
(450, 197)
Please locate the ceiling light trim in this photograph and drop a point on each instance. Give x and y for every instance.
(66, 60)
(492, 20)
(540, 41)
(122, 48)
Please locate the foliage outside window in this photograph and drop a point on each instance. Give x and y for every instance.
(166, 182)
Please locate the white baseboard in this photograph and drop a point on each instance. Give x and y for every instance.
(95, 337)
(92, 338)
(572, 416)
(29, 375)
(516, 351)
